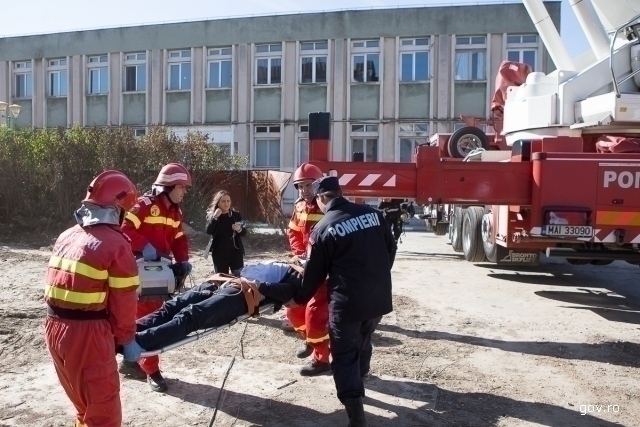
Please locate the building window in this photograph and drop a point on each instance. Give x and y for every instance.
(57, 69)
(471, 54)
(267, 148)
(98, 82)
(313, 62)
(23, 87)
(179, 70)
(411, 135)
(139, 133)
(269, 64)
(364, 142)
(414, 60)
(135, 72)
(219, 67)
(523, 48)
(365, 61)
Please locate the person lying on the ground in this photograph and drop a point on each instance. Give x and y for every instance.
(214, 303)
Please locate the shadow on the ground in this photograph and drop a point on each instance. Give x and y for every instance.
(452, 408)
(616, 353)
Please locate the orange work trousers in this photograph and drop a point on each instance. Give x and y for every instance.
(150, 365)
(312, 322)
(84, 355)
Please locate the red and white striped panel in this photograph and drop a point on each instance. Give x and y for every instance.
(367, 180)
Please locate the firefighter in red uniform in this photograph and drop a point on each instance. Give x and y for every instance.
(310, 320)
(90, 294)
(154, 226)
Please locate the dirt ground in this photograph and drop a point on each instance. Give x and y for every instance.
(466, 345)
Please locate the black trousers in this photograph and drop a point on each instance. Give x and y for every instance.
(396, 227)
(351, 351)
(199, 308)
(230, 263)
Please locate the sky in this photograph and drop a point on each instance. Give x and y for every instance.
(49, 16)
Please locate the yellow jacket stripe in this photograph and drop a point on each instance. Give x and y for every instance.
(162, 220)
(303, 216)
(124, 282)
(134, 219)
(74, 297)
(179, 235)
(78, 267)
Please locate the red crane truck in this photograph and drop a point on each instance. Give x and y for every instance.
(563, 177)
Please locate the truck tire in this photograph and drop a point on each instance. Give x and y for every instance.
(465, 140)
(441, 229)
(490, 248)
(456, 229)
(472, 234)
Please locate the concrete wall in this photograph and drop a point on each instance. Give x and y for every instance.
(178, 108)
(470, 99)
(333, 25)
(218, 106)
(134, 107)
(97, 110)
(267, 104)
(312, 99)
(365, 102)
(56, 112)
(414, 101)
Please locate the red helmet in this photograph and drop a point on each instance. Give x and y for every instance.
(173, 174)
(305, 172)
(112, 188)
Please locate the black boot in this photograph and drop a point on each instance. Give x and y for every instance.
(355, 411)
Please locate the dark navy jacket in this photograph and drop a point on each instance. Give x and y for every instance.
(353, 245)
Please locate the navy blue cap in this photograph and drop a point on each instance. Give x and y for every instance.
(324, 184)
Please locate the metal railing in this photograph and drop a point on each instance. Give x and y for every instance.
(611, 51)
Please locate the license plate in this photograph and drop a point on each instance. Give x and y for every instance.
(568, 230)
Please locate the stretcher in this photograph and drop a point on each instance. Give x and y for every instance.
(158, 278)
(263, 309)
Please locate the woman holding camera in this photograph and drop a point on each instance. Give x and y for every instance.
(225, 226)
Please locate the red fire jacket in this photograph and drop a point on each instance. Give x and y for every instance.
(152, 221)
(305, 216)
(93, 269)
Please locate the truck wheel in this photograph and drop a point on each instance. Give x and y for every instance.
(490, 248)
(456, 229)
(472, 234)
(601, 261)
(441, 228)
(574, 261)
(465, 140)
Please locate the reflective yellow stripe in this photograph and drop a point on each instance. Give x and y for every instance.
(303, 216)
(179, 235)
(134, 219)
(74, 297)
(301, 328)
(162, 220)
(123, 282)
(77, 267)
(293, 226)
(317, 340)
